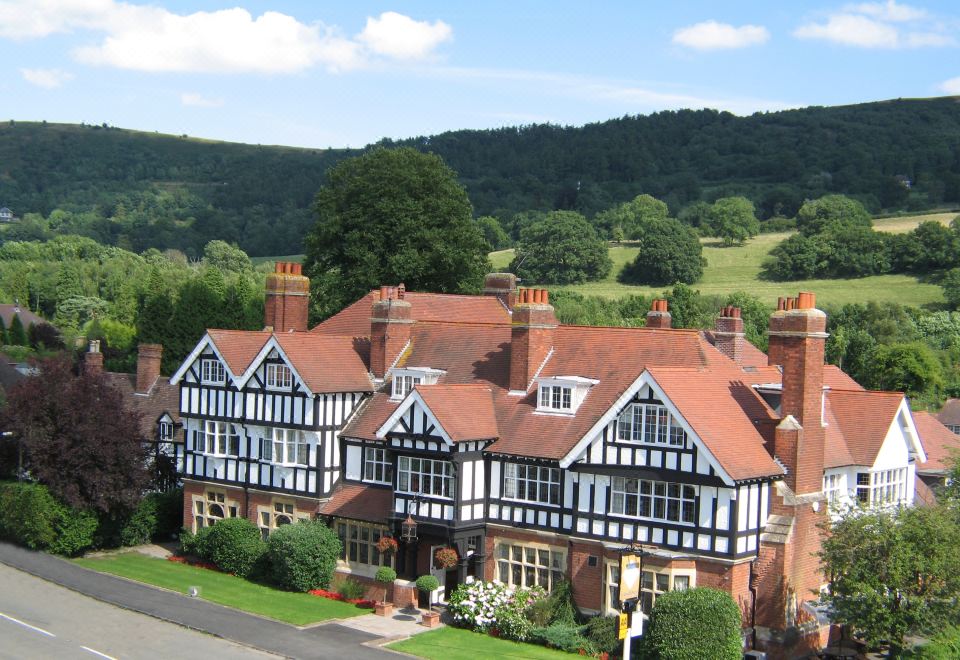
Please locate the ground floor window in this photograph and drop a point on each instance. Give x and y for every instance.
(280, 514)
(653, 582)
(211, 507)
(360, 543)
(529, 565)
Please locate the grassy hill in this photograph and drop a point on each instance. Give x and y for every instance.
(732, 269)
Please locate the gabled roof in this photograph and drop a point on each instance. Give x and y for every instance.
(354, 320)
(7, 312)
(464, 411)
(950, 413)
(162, 398)
(941, 445)
(326, 364)
(864, 418)
(238, 347)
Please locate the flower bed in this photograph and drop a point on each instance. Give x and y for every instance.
(332, 595)
(189, 561)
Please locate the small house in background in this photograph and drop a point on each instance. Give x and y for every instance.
(6, 215)
(27, 318)
(949, 415)
(942, 447)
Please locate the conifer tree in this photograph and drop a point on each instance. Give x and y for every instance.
(17, 333)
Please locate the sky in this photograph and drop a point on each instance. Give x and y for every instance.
(337, 74)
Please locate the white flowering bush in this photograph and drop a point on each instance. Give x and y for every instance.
(485, 605)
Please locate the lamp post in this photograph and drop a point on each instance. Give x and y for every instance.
(631, 575)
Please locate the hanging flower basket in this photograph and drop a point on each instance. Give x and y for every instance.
(387, 544)
(446, 558)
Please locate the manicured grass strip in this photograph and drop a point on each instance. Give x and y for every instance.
(296, 608)
(459, 644)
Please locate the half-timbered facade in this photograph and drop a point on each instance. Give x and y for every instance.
(539, 452)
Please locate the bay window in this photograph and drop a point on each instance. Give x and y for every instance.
(286, 447)
(218, 439)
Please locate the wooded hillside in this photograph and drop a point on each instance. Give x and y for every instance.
(141, 190)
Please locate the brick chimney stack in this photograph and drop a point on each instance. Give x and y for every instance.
(148, 366)
(287, 299)
(93, 358)
(502, 286)
(531, 336)
(799, 334)
(659, 314)
(390, 325)
(729, 335)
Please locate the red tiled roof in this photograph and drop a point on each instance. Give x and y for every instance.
(327, 364)
(835, 450)
(359, 502)
(864, 418)
(162, 398)
(354, 320)
(465, 412)
(940, 444)
(369, 417)
(724, 411)
(950, 413)
(751, 356)
(239, 347)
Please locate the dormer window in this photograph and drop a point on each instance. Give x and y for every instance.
(407, 378)
(279, 377)
(212, 372)
(562, 394)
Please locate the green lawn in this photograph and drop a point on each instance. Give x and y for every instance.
(458, 644)
(296, 608)
(294, 258)
(732, 269)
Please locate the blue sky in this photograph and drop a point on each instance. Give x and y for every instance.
(334, 74)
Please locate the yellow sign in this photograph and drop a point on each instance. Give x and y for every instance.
(629, 577)
(624, 626)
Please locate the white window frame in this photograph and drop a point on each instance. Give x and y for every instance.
(650, 424)
(437, 475)
(650, 497)
(280, 513)
(403, 384)
(556, 398)
(404, 379)
(165, 431)
(653, 581)
(529, 564)
(520, 480)
(279, 376)
(377, 466)
(212, 372)
(833, 488)
(882, 487)
(219, 439)
(359, 542)
(285, 444)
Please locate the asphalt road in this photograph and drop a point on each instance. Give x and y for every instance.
(42, 620)
(329, 640)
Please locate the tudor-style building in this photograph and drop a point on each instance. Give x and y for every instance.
(540, 451)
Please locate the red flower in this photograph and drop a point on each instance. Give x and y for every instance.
(446, 557)
(387, 544)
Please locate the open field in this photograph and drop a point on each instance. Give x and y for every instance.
(458, 644)
(732, 269)
(296, 608)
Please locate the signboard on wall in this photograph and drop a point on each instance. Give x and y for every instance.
(629, 577)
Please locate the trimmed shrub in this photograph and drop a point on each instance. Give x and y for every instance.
(75, 531)
(708, 615)
(140, 526)
(602, 632)
(351, 589)
(304, 555)
(234, 545)
(512, 619)
(385, 574)
(195, 544)
(28, 515)
(564, 637)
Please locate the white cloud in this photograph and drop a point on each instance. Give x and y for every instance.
(889, 11)
(878, 25)
(951, 86)
(199, 100)
(711, 35)
(152, 38)
(46, 78)
(399, 36)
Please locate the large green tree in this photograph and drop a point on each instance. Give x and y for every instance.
(670, 252)
(894, 572)
(817, 214)
(391, 216)
(633, 216)
(734, 220)
(563, 248)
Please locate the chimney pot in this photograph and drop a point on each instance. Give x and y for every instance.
(546, 297)
(401, 291)
(278, 267)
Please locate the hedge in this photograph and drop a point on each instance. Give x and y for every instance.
(695, 624)
(31, 516)
(303, 556)
(234, 545)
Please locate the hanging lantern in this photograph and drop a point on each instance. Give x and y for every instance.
(408, 530)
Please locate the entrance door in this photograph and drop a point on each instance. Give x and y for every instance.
(440, 595)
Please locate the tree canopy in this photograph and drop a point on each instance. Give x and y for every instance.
(818, 214)
(391, 216)
(670, 252)
(733, 219)
(80, 438)
(632, 217)
(563, 248)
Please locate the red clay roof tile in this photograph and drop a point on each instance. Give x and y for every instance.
(940, 444)
(864, 418)
(465, 412)
(359, 502)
